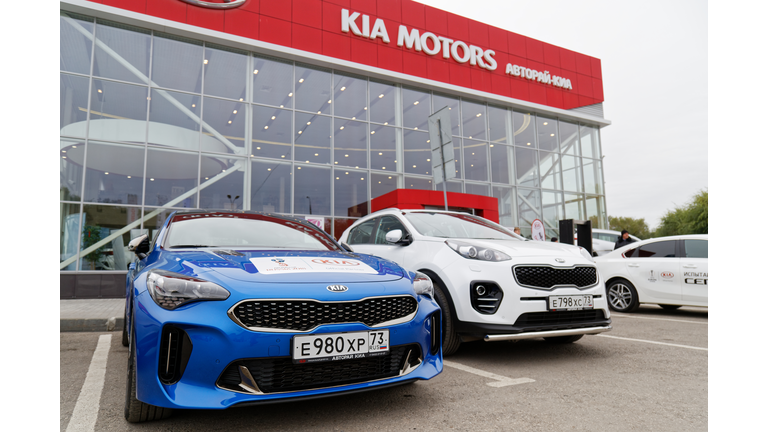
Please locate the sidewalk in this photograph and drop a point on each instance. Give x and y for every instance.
(85, 315)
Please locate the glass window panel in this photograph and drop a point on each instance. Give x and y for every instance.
(590, 142)
(553, 212)
(340, 225)
(224, 124)
(696, 248)
(350, 145)
(113, 173)
(416, 109)
(100, 229)
(523, 126)
(549, 167)
(497, 120)
(73, 105)
(172, 177)
(452, 186)
(225, 73)
(118, 112)
(71, 169)
(596, 212)
(349, 97)
(177, 63)
(574, 206)
(502, 164)
(382, 184)
(313, 90)
(475, 160)
(457, 156)
(417, 153)
(220, 189)
(477, 189)
(350, 193)
(312, 138)
(569, 138)
(473, 120)
(272, 83)
(439, 101)
(154, 219)
(507, 205)
(547, 132)
(418, 183)
(271, 132)
(174, 120)
(75, 44)
(128, 55)
(383, 148)
(526, 167)
(382, 97)
(271, 187)
(69, 229)
(529, 206)
(388, 223)
(572, 174)
(593, 179)
(362, 234)
(313, 190)
(662, 249)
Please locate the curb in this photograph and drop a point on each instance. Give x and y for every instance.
(91, 325)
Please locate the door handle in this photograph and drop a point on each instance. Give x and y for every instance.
(689, 266)
(633, 265)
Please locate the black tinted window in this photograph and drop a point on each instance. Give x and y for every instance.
(663, 249)
(696, 249)
(361, 234)
(388, 223)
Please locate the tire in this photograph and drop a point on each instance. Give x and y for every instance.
(563, 339)
(669, 307)
(451, 340)
(125, 331)
(137, 411)
(622, 296)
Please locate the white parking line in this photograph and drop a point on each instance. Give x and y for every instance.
(658, 319)
(501, 381)
(87, 407)
(654, 342)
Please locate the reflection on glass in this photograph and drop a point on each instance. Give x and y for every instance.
(526, 167)
(174, 120)
(101, 229)
(523, 126)
(502, 164)
(313, 138)
(69, 229)
(75, 44)
(172, 177)
(452, 186)
(177, 63)
(547, 132)
(572, 174)
(590, 142)
(530, 206)
(574, 206)
(114, 173)
(592, 177)
(439, 102)
(70, 171)
(549, 167)
(477, 189)
(128, 55)
(475, 160)
(417, 152)
(152, 224)
(73, 105)
(271, 133)
(507, 205)
(340, 225)
(596, 212)
(271, 187)
(384, 148)
(382, 184)
(418, 183)
(497, 121)
(225, 123)
(118, 112)
(473, 119)
(349, 96)
(222, 189)
(416, 109)
(569, 138)
(350, 143)
(225, 73)
(383, 104)
(272, 82)
(313, 187)
(313, 90)
(552, 209)
(350, 193)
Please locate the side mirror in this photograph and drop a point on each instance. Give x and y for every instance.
(346, 247)
(397, 237)
(140, 246)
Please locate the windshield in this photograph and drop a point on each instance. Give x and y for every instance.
(237, 230)
(449, 225)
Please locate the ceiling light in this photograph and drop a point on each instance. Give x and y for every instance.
(234, 112)
(373, 132)
(551, 134)
(416, 103)
(255, 71)
(193, 105)
(386, 123)
(273, 117)
(341, 128)
(266, 127)
(316, 154)
(229, 122)
(383, 168)
(329, 101)
(380, 153)
(381, 96)
(258, 148)
(99, 90)
(309, 123)
(478, 115)
(290, 94)
(365, 108)
(545, 123)
(205, 61)
(299, 167)
(106, 173)
(300, 131)
(343, 88)
(301, 80)
(269, 169)
(346, 155)
(528, 144)
(129, 176)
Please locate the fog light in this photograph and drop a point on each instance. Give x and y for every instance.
(480, 290)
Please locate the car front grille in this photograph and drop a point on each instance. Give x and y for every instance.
(280, 374)
(304, 315)
(553, 320)
(547, 277)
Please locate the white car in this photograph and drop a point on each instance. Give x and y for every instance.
(489, 282)
(603, 240)
(668, 271)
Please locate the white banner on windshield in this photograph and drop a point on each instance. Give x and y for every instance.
(282, 265)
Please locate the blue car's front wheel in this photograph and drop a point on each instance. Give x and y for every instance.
(137, 411)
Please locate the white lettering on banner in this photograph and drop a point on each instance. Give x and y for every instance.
(542, 77)
(349, 23)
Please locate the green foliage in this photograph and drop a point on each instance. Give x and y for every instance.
(636, 227)
(692, 218)
(91, 236)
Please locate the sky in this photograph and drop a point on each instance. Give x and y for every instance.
(654, 63)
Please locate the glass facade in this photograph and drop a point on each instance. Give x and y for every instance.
(152, 122)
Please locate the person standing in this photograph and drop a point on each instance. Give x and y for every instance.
(517, 231)
(623, 240)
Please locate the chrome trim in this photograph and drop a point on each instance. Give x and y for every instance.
(551, 333)
(402, 320)
(209, 5)
(407, 368)
(597, 276)
(247, 382)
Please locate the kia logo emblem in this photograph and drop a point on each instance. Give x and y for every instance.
(226, 4)
(337, 288)
(560, 260)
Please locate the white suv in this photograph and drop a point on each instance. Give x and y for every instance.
(489, 282)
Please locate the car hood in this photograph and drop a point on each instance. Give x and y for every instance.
(285, 266)
(530, 248)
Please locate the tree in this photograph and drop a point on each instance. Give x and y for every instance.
(636, 227)
(691, 218)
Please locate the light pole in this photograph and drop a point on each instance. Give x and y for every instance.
(310, 205)
(232, 201)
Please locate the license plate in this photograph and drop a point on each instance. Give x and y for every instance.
(340, 346)
(575, 302)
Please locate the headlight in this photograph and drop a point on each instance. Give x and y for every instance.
(171, 290)
(422, 284)
(586, 254)
(474, 252)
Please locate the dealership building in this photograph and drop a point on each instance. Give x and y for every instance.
(312, 108)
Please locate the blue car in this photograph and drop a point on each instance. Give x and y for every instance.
(237, 308)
